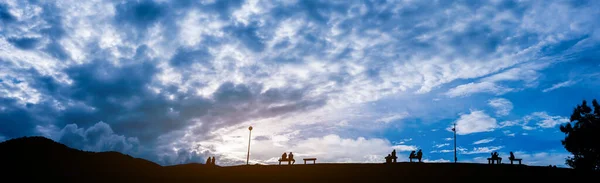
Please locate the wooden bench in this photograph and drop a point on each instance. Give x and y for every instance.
(515, 159)
(491, 160)
(310, 159)
(290, 161)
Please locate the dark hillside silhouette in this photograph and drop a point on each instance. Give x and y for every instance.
(29, 158)
(43, 156)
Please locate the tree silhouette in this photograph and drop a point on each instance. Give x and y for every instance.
(582, 137)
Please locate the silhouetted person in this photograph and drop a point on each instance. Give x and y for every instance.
(496, 157)
(213, 161)
(394, 157)
(419, 155)
(512, 156)
(284, 156)
(291, 158)
(208, 161)
(388, 159)
(412, 156)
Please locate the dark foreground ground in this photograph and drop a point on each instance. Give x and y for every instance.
(36, 159)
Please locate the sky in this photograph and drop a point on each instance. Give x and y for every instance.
(342, 81)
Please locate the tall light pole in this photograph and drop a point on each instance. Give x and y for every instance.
(454, 130)
(249, 138)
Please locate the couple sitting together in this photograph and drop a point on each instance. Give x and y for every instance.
(286, 157)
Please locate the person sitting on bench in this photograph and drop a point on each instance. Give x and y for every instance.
(291, 158)
(495, 157)
(417, 156)
(284, 157)
(388, 159)
(512, 158)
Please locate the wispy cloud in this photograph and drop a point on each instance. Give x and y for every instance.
(502, 106)
(393, 117)
(560, 85)
(480, 150)
(441, 145)
(484, 141)
(471, 88)
(543, 120)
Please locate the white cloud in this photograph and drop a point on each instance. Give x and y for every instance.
(484, 141)
(559, 85)
(441, 145)
(538, 119)
(448, 139)
(393, 117)
(508, 133)
(482, 87)
(502, 106)
(441, 160)
(543, 120)
(474, 122)
(479, 150)
(443, 151)
(526, 73)
(510, 123)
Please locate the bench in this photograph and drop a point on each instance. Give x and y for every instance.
(515, 159)
(491, 160)
(314, 160)
(410, 158)
(290, 161)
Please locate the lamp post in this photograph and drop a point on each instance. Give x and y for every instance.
(249, 138)
(454, 130)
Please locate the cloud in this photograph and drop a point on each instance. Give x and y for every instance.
(262, 138)
(525, 74)
(441, 160)
(502, 106)
(484, 141)
(544, 120)
(480, 150)
(448, 139)
(559, 85)
(508, 133)
(393, 117)
(538, 119)
(474, 122)
(99, 137)
(483, 87)
(441, 145)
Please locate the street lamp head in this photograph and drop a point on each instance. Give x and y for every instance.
(250, 128)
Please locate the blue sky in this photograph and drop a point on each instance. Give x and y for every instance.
(343, 81)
